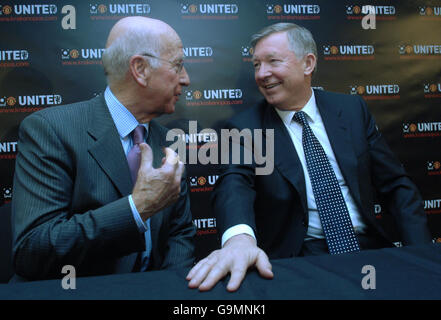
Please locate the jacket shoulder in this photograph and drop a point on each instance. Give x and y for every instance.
(67, 113)
(251, 117)
(336, 96)
(342, 98)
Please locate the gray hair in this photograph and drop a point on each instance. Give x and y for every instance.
(116, 57)
(300, 40)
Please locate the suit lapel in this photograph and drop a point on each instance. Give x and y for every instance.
(286, 159)
(154, 140)
(105, 147)
(338, 129)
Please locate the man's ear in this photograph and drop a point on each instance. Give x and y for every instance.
(139, 69)
(309, 61)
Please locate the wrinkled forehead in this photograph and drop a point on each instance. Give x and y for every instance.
(172, 45)
(275, 44)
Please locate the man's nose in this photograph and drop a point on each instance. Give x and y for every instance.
(184, 79)
(262, 72)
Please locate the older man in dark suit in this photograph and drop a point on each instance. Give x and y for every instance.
(329, 161)
(92, 188)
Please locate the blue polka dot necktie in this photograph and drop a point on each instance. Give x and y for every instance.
(334, 215)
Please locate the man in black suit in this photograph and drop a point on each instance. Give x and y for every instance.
(77, 200)
(330, 160)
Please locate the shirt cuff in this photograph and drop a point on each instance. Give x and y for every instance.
(235, 230)
(142, 226)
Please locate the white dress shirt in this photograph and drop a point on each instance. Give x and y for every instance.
(315, 230)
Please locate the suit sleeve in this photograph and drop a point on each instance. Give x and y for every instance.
(46, 234)
(234, 194)
(399, 194)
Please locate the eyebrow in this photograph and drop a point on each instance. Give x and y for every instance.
(270, 55)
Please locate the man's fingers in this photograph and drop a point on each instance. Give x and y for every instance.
(264, 266)
(179, 172)
(201, 272)
(237, 276)
(195, 269)
(237, 255)
(172, 164)
(207, 272)
(217, 272)
(146, 155)
(240, 270)
(171, 157)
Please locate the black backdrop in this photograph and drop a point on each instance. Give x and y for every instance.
(50, 55)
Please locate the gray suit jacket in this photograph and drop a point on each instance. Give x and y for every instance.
(70, 204)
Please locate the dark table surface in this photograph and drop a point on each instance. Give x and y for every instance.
(412, 272)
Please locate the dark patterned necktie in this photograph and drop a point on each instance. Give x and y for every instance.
(134, 155)
(334, 215)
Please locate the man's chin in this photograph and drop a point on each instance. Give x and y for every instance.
(169, 109)
(272, 101)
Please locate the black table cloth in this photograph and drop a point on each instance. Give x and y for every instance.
(412, 272)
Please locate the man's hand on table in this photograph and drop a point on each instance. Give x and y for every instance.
(237, 255)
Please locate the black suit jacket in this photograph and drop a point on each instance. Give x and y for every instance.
(70, 204)
(275, 205)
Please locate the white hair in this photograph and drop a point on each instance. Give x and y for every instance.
(116, 57)
(300, 39)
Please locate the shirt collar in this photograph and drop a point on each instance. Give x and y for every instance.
(310, 109)
(124, 120)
